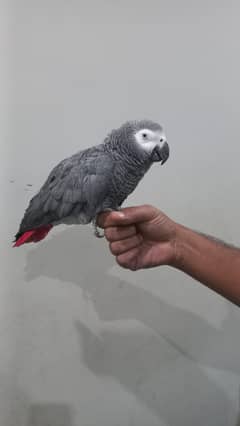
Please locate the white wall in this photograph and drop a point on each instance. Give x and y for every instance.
(84, 343)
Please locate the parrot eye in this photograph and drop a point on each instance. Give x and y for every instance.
(144, 135)
(161, 140)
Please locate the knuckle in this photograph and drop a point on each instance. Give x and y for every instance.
(117, 233)
(109, 234)
(133, 267)
(123, 263)
(150, 208)
(114, 248)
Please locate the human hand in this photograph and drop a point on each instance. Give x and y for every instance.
(140, 237)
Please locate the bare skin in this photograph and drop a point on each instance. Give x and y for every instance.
(144, 237)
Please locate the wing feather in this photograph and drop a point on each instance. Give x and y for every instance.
(74, 185)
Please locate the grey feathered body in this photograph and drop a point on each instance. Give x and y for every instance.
(89, 182)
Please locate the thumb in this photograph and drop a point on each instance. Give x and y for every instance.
(127, 216)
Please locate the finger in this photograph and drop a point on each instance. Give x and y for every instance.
(127, 216)
(107, 219)
(119, 247)
(128, 260)
(115, 233)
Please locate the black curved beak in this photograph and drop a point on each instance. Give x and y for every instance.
(165, 152)
(161, 153)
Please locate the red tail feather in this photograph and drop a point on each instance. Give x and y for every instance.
(33, 236)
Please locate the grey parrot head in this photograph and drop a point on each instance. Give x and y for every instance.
(145, 137)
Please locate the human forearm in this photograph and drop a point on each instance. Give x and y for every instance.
(209, 261)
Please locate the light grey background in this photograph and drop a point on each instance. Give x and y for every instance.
(82, 342)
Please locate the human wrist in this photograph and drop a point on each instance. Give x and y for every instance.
(180, 246)
(173, 245)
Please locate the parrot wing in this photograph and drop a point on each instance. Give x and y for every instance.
(76, 186)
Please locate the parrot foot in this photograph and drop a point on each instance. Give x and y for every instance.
(97, 232)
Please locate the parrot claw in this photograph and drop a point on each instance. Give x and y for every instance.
(97, 232)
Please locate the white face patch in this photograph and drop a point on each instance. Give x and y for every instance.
(148, 139)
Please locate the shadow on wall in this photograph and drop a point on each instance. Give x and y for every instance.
(50, 415)
(154, 357)
(238, 421)
(174, 388)
(76, 256)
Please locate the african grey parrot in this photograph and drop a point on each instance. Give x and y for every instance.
(94, 180)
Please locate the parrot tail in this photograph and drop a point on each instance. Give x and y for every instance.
(32, 236)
